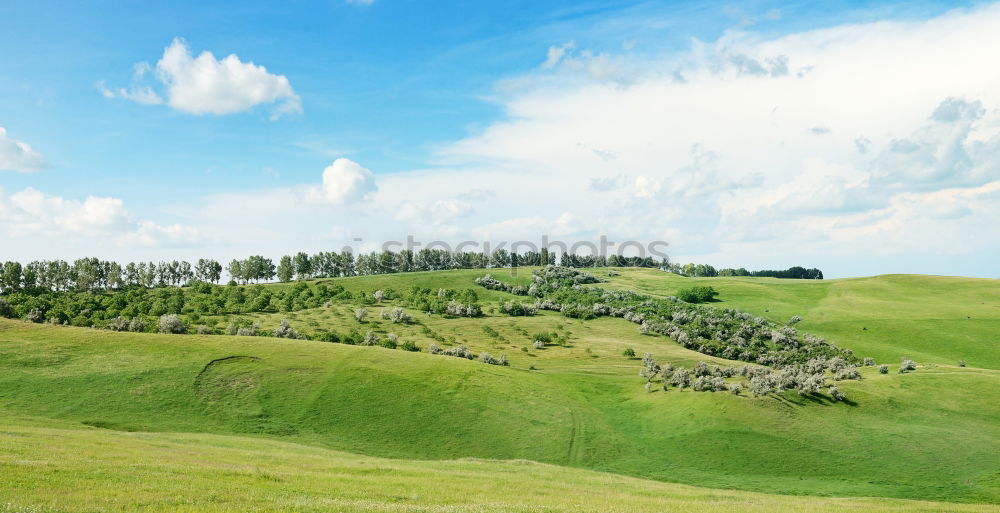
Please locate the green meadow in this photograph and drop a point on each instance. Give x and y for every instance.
(94, 420)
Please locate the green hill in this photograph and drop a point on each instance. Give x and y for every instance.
(933, 319)
(933, 434)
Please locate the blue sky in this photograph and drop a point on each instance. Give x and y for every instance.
(437, 108)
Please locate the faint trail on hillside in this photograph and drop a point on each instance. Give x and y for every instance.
(576, 435)
(209, 365)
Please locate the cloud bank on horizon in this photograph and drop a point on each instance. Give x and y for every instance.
(849, 147)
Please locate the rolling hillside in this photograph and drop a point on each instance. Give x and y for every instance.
(933, 434)
(933, 319)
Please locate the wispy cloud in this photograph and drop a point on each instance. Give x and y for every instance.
(18, 156)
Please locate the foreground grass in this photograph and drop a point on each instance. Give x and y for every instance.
(91, 470)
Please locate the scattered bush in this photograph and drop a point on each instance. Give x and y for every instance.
(836, 394)
(518, 309)
(961, 363)
(35, 315)
(708, 384)
(171, 323)
(848, 372)
(398, 315)
(538, 344)
(137, 325)
(836, 364)
(907, 366)
(457, 309)
(409, 345)
(249, 331)
(883, 369)
(204, 330)
(868, 362)
(459, 351)
(809, 384)
(760, 385)
(371, 339)
(649, 367)
(118, 324)
(628, 353)
(285, 330)
(360, 314)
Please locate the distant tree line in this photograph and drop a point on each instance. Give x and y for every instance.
(93, 274)
(704, 270)
(571, 260)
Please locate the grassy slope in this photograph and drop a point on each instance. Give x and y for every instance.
(173, 472)
(932, 434)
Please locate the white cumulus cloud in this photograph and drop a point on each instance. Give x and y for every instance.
(203, 84)
(344, 181)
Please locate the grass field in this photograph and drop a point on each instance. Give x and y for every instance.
(127, 408)
(77, 469)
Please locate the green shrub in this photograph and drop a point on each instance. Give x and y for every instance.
(6, 310)
(697, 294)
(542, 337)
(628, 352)
(329, 336)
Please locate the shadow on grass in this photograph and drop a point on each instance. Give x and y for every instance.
(803, 400)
